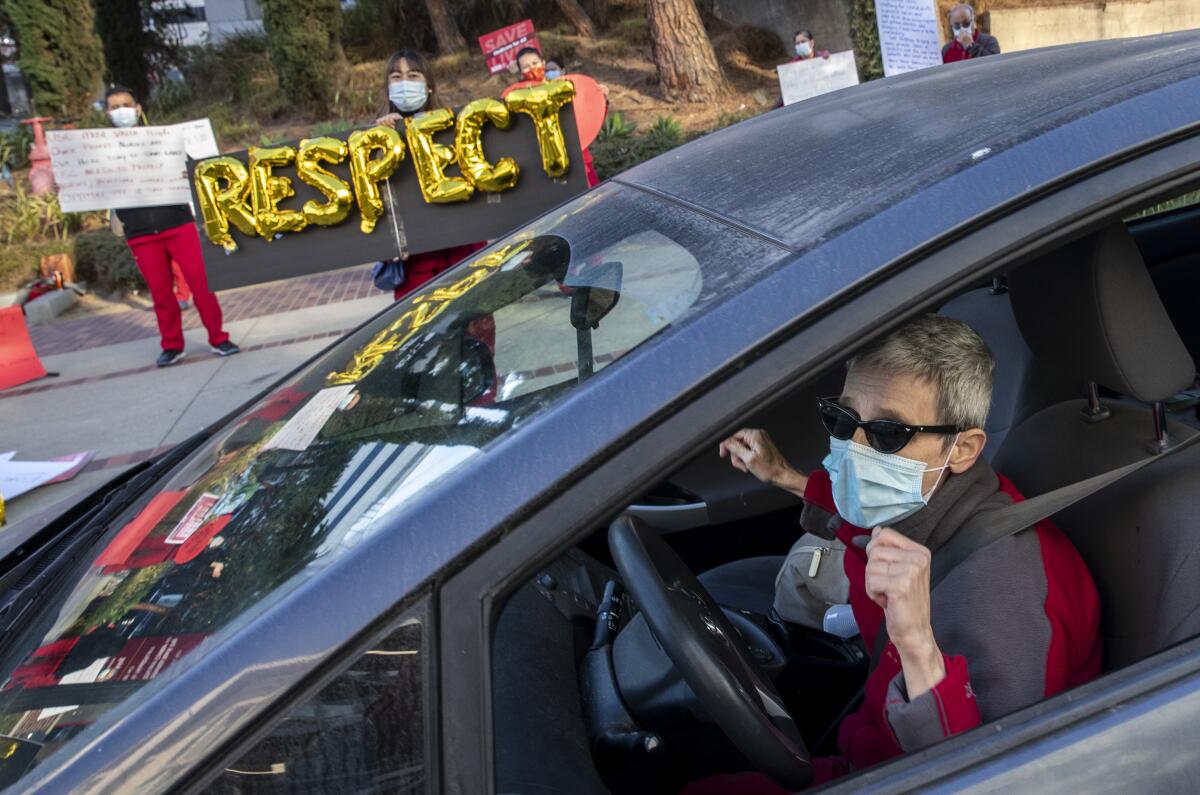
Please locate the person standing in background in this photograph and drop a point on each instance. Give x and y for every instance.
(411, 90)
(968, 42)
(158, 235)
(806, 47)
(535, 70)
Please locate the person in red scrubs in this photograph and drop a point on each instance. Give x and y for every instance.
(412, 90)
(159, 236)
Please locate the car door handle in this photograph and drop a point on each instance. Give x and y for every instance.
(672, 518)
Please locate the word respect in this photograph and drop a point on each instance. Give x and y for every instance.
(248, 195)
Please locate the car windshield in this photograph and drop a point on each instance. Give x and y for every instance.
(316, 465)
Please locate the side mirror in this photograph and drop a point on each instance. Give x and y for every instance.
(597, 296)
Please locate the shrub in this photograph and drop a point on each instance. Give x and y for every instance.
(864, 32)
(60, 52)
(304, 41)
(617, 148)
(14, 147)
(25, 217)
(104, 260)
(236, 72)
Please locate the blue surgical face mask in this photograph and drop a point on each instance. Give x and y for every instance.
(408, 95)
(553, 74)
(123, 117)
(871, 488)
(803, 49)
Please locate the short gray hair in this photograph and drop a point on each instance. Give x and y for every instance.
(946, 353)
(970, 9)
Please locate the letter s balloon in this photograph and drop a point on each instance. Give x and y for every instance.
(366, 172)
(313, 152)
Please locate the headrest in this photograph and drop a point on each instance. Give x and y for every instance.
(1091, 309)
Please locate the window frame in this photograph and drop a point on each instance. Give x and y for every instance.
(1075, 205)
(424, 602)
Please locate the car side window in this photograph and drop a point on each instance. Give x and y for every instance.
(366, 731)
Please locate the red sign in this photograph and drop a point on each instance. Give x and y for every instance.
(501, 46)
(18, 361)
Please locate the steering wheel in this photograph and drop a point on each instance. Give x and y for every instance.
(708, 653)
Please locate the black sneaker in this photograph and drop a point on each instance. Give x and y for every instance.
(226, 348)
(168, 358)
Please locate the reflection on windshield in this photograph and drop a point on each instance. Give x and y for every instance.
(317, 465)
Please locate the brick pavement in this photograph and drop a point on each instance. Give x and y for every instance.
(331, 287)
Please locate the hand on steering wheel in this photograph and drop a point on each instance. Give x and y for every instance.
(708, 653)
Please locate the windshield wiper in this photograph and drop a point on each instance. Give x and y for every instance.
(25, 582)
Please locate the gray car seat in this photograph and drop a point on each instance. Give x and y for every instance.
(1091, 310)
(1023, 383)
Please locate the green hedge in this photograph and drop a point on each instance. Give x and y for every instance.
(60, 53)
(864, 32)
(304, 41)
(104, 260)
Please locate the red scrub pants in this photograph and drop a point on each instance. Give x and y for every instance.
(154, 254)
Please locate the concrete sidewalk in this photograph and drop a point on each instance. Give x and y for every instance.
(112, 399)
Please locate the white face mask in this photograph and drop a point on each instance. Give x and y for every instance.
(803, 49)
(964, 27)
(123, 117)
(871, 488)
(408, 95)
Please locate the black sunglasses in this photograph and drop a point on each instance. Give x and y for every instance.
(886, 436)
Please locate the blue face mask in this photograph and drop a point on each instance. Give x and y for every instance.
(871, 488)
(803, 49)
(408, 95)
(553, 74)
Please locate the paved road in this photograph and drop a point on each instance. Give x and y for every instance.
(109, 396)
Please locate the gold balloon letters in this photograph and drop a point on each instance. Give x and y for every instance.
(366, 172)
(468, 146)
(221, 206)
(313, 152)
(248, 198)
(267, 190)
(431, 159)
(542, 103)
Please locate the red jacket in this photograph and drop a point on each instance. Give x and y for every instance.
(984, 44)
(1017, 622)
(1070, 607)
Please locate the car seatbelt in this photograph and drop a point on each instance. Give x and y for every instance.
(1019, 516)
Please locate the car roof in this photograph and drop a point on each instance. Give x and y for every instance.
(806, 172)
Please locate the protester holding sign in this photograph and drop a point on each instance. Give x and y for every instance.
(411, 89)
(158, 235)
(969, 42)
(806, 46)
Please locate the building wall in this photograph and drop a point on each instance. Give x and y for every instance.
(1028, 28)
(227, 17)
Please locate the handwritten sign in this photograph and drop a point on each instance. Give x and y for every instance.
(501, 46)
(804, 79)
(908, 35)
(116, 168)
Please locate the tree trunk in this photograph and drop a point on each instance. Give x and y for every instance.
(687, 66)
(449, 37)
(573, 11)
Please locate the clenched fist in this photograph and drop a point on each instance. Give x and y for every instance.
(898, 581)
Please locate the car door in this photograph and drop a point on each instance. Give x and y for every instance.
(917, 281)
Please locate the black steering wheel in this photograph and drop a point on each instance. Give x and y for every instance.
(708, 653)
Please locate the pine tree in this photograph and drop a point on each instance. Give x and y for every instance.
(687, 66)
(60, 53)
(304, 41)
(864, 32)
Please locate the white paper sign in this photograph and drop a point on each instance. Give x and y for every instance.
(803, 79)
(300, 431)
(116, 168)
(908, 35)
